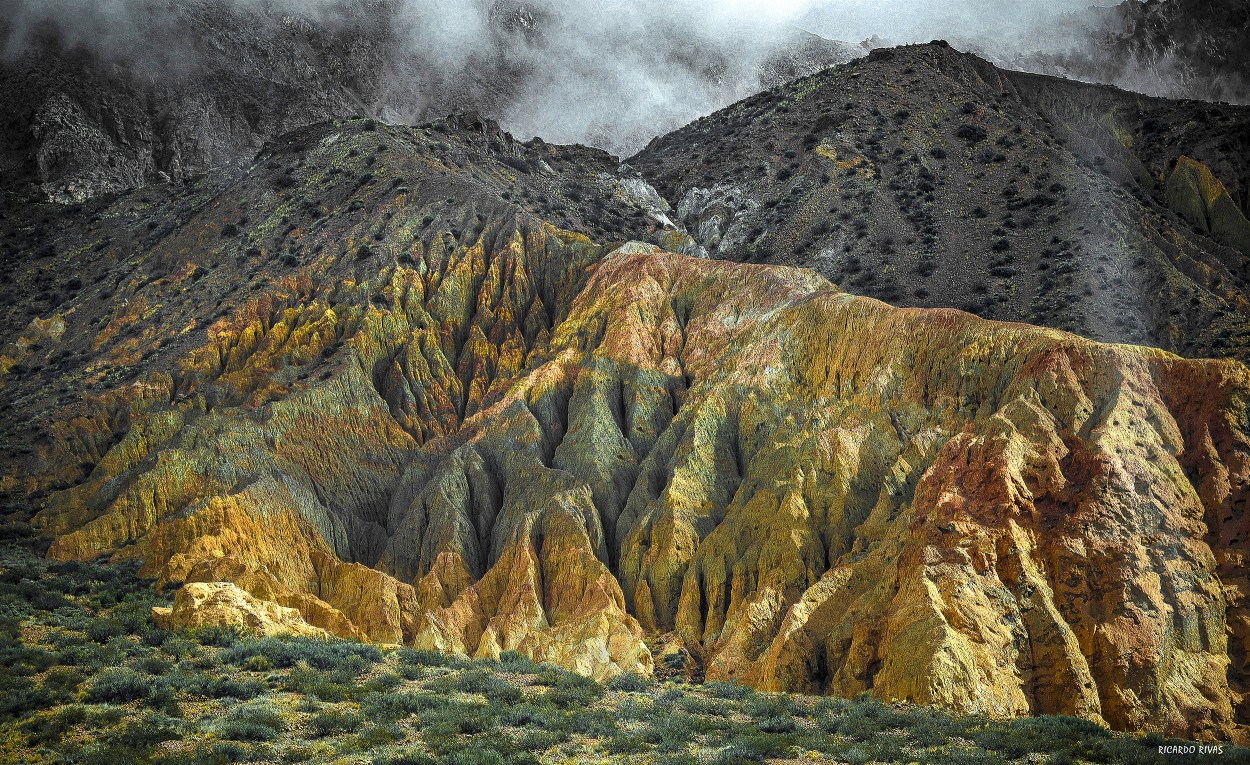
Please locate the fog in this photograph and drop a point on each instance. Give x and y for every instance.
(607, 73)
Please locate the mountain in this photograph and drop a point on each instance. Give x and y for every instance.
(196, 86)
(428, 385)
(927, 177)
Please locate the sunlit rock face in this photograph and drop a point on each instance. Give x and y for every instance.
(429, 386)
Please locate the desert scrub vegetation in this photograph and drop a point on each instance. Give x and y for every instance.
(88, 678)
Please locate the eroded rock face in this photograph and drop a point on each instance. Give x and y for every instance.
(816, 492)
(459, 426)
(1194, 192)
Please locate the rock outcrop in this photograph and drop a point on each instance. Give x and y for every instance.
(223, 604)
(1194, 192)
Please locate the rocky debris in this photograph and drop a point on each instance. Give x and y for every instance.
(718, 217)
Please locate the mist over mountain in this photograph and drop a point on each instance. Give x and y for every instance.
(104, 96)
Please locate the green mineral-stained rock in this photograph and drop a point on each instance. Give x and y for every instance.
(1192, 191)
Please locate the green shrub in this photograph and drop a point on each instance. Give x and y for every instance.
(540, 740)
(220, 753)
(51, 726)
(630, 682)
(104, 630)
(257, 664)
(155, 665)
(483, 681)
(326, 686)
(861, 720)
(163, 698)
(674, 732)
(476, 754)
(771, 707)
(1043, 734)
(63, 682)
(405, 757)
(698, 705)
(389, 707)
(379, 735)
(678, 758)
(148, 730)
(598, 723)
(729, 690)
(777, 724)
(21, 659)
(570, 691)
(334, 721)
(118, 685)
(750, 749)
(134, 613)
(285, 652)
(254, 721)
(113, 753)
(972, 757)
(22, 696)
(219, 687)
(458, 718)
(624, 743)
(179, 647)
(527, 715)
(511, 661)
(217, 637)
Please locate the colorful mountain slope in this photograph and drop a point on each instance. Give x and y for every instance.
(421, 410)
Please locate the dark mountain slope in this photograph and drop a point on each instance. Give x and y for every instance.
(927, 177)
(201, 85)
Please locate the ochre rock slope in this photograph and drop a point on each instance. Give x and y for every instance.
(418, 411)
(819, 492)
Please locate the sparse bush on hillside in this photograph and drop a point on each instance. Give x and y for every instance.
(255, 721)
(341, 655)
(970, 133)
(335, 721)
(118, 685)
(629, 682)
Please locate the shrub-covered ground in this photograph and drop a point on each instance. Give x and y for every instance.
(86, 677)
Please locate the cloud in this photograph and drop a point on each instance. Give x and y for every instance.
(606, 72)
